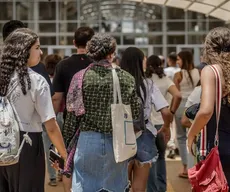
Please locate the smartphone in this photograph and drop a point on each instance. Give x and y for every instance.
(55, 157)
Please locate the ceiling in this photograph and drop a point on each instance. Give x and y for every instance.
(215, 8)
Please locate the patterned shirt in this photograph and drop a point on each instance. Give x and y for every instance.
(98, 97)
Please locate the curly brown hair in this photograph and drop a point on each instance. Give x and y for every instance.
(14, 56)
(100, 46)
(217, 51)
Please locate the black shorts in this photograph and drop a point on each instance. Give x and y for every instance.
(29, 174)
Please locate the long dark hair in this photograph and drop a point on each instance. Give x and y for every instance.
(154, 65)
(14, 57)
(132, 62)
(187, 63)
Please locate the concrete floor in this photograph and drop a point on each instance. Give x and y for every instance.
(175, 184)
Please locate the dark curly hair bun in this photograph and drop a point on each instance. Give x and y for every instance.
(100, 46)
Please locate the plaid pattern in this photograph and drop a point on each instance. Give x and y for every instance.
(98, 97)
(70, 127)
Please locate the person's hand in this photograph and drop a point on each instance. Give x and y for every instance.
(191, 139)
(167, 133)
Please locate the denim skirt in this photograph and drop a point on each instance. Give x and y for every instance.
(147, 152)
(95, 169)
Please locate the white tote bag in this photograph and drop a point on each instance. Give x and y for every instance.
(124, 139)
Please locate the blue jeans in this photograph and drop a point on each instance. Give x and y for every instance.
(95, 169)
(146, 148)
(181, 132)
(157, 174)
(47, 143)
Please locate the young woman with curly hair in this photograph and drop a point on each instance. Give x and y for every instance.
(95, 168)
(217, 53)
(32, 102)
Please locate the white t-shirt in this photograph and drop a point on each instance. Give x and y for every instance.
(194, 97)
(35, 107)
(163, 84)
(170, 71)
(155, 100)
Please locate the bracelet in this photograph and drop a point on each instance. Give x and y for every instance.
(172, 112)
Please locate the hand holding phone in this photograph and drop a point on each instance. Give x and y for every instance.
(54, 157)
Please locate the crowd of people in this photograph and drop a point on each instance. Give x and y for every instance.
(66, 102)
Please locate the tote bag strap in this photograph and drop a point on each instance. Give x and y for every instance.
(203, 148)
(116, 88)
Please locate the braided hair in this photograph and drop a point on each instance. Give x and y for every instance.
(14, 56)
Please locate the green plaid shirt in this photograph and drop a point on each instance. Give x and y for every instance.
(98, 97)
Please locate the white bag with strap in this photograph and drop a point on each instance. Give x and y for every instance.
(124, 139)
(10, 147)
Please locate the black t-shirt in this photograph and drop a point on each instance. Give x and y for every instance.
(66, 69)
(40, 69)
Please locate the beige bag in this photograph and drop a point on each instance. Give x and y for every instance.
(124, 139)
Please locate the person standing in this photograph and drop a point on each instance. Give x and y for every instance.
(33, 94)
(216, 53)
(185, 80)
(157, 177)
(64, 72)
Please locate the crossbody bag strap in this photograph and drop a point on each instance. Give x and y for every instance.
(218, 97)
(218, 102)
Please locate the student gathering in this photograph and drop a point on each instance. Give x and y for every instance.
(101, 122)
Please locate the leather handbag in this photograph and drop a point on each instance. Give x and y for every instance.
(191, 111)
(208, 175)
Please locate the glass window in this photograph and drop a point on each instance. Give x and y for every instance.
(47, 40)
(179, 39)
(67, 27)
(6, 10)
(214, 24)
(47, 10)
(157, 50)
(68, 10)
(129, 40)
(175, 26)
(118, 39)
(174, 13)
(197, 26)
(24, 10)
(30, 25)
(155, 39)
(170, 50)
(93, 25)
(195, 15)
(47, 27)
(154, 26)
(196, 39)
(90, 11)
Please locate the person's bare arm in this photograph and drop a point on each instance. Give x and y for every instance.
(167, 116)
(177, 79)
(176, 98)
(185, 122)
(208, 85)
(55, 136)
(57, 100)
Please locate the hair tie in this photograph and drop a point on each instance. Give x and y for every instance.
(226, 49)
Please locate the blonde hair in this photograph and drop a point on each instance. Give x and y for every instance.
(217, 51)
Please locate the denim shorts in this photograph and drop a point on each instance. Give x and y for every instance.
(146, 148)
(95, 169)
